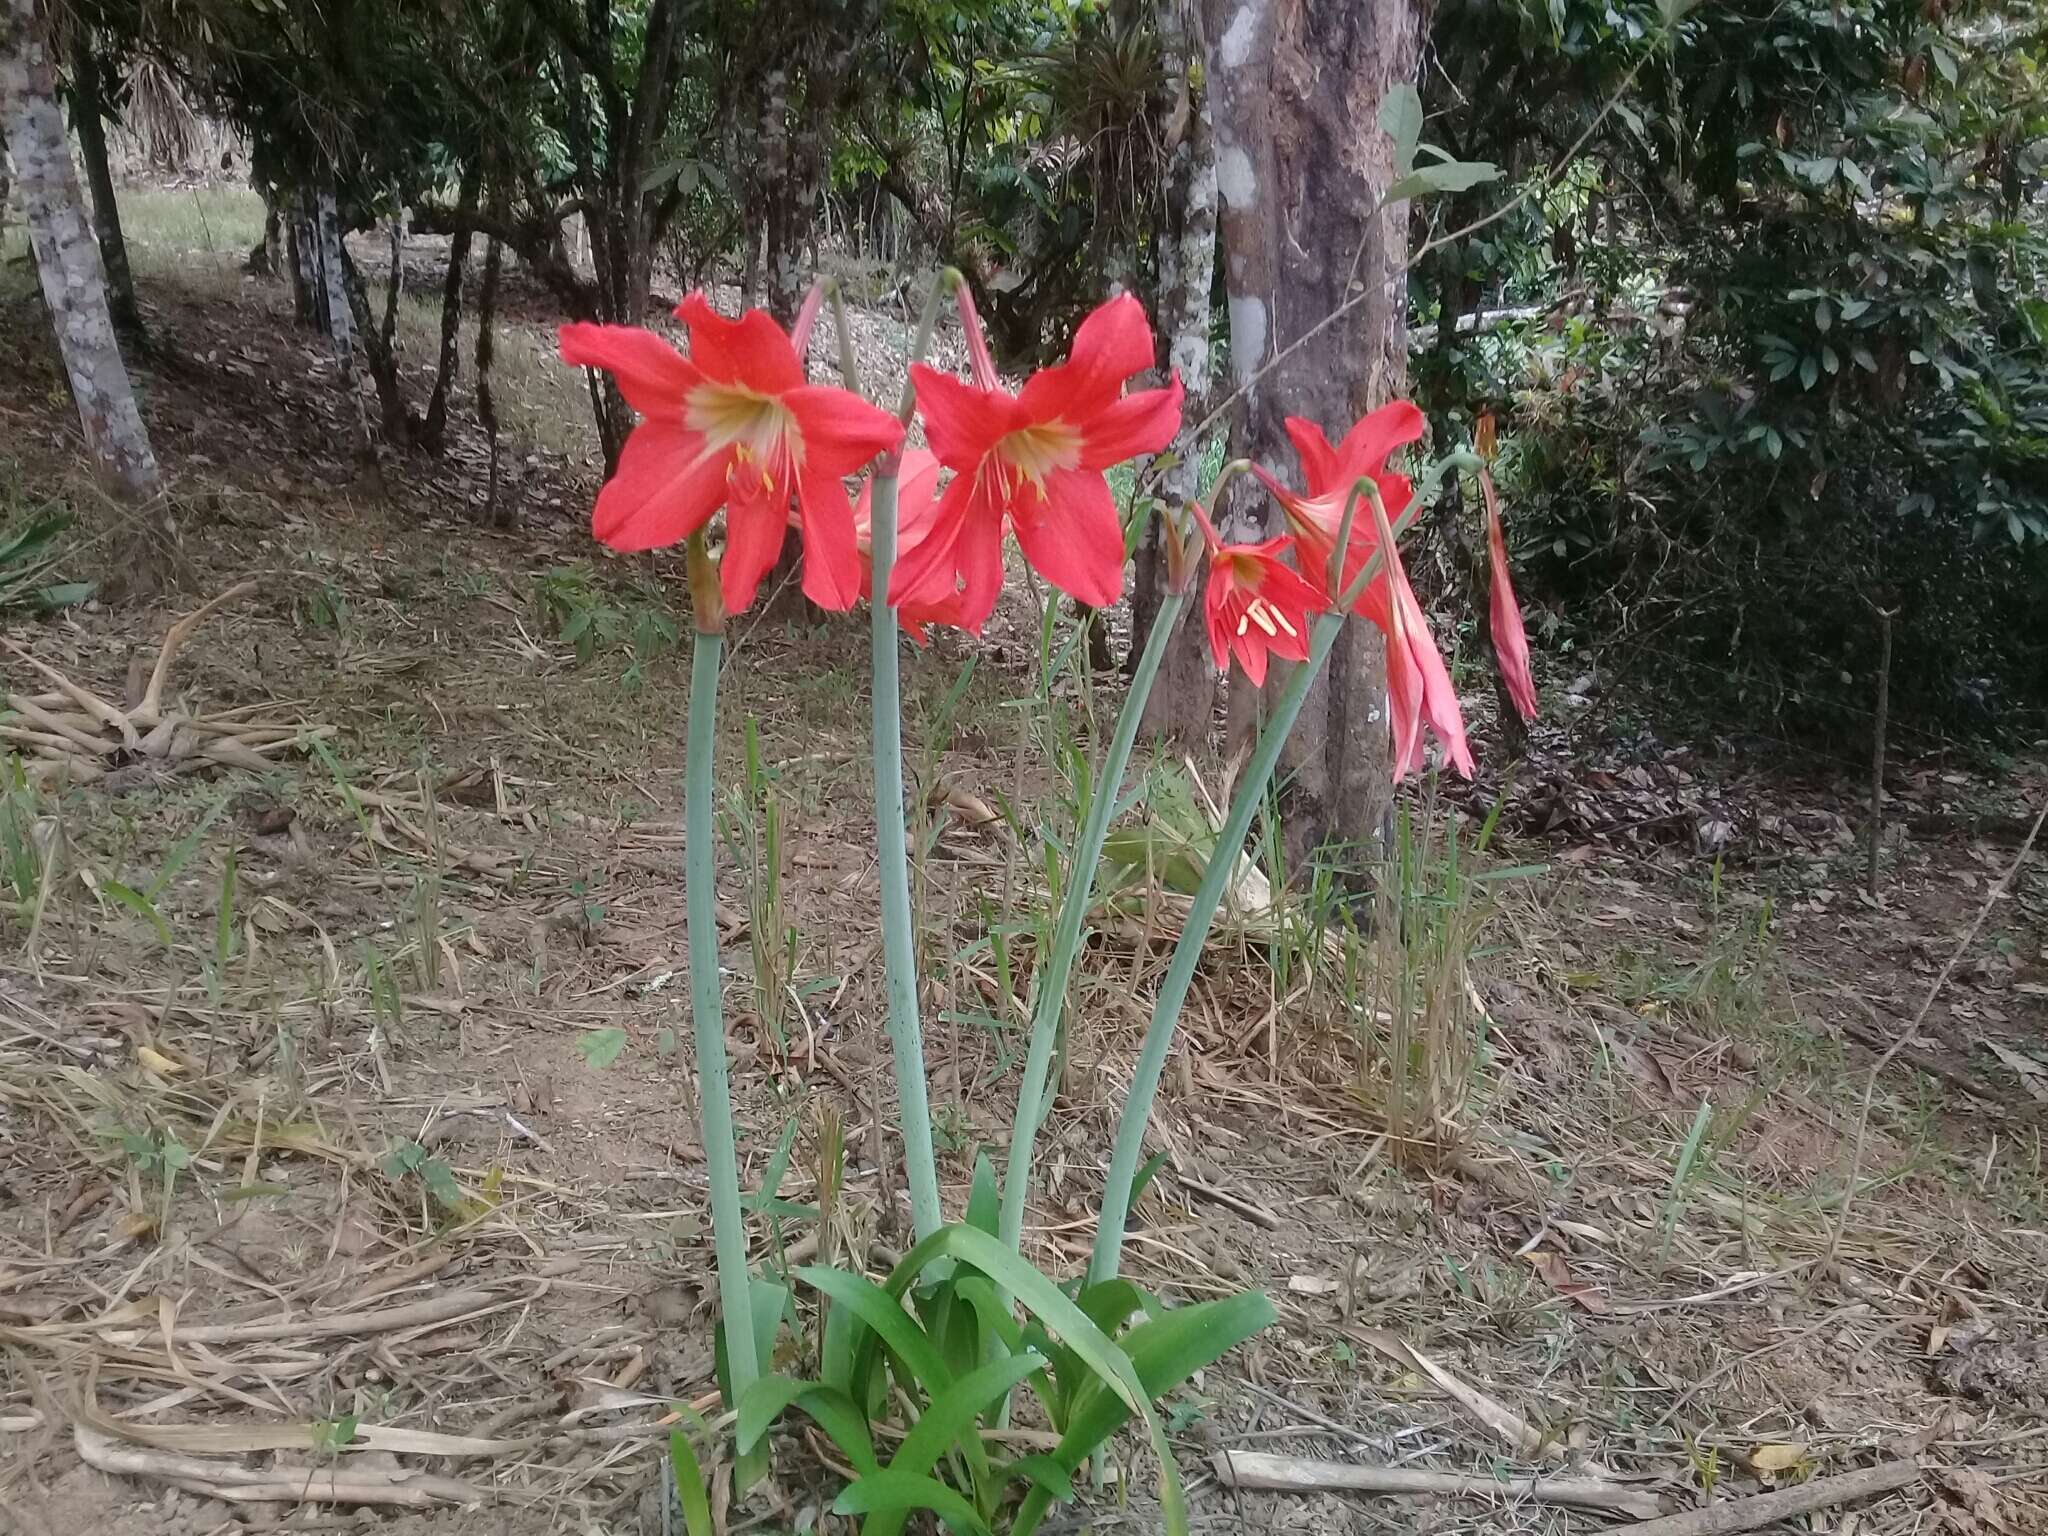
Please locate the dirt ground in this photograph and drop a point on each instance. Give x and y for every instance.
(389, 1131)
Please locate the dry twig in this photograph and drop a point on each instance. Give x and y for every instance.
(1299, 1474)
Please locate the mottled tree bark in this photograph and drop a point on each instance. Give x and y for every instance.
(87, 105)
(1184, 696)
(1301, 165)
(340, 324)
(67, 257)
(486, 403)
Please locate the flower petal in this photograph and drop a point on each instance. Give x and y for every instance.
(665, 489)
(832, 565)
(960, 422)
(930, 567)
(1142, 422)
(917, 497)
(1072, 536)
(1114, 342)
(1510, 639)
(1318, 458)
(841, 432)
(1378, 433)
(752, 351)
(979, 554)
(652, 375)
(754, 529)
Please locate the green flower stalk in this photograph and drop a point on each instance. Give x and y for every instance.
(899, 944)
(1051, 998)
(1187, 952)
(707, 1012)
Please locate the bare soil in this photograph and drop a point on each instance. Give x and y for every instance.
(437, 918)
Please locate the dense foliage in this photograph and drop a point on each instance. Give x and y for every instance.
(1775, 351)
(1759, 306)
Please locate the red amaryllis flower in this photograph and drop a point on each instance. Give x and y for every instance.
(917, 489)
(1510, 639)
(733, 425)
(1419, 687)
(1036, 458)
(1256, 604)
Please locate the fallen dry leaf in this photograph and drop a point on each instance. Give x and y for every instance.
(1557, 1274)
(1770, 1460)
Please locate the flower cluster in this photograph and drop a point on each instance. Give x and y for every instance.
(735, 424)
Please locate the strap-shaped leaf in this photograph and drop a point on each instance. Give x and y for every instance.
(1045, 1475)
(883, 1312)
(984, 1200)
(833, 1411)
(954, 1418)
(884, 1492)
(1165, 1352)
(969, 1245)
(691, 1493)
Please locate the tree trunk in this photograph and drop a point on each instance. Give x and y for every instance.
(1184, 697)
(1296, 87)
(309, 289)
(379, 351)
(87, 104)
(486, 403)
(433, 431)
(340, 327)
(67, 259)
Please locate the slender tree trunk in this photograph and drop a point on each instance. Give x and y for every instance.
(340, 326)
(433, 431)
(87, 104)
(486, 403)
(67, 258)
(1300, 166)
(309, 287)
(378, 350)
(1184, 697)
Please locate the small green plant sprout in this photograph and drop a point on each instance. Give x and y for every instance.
(576, 610)
(1093, 1361)
(30, 550)
(410, 1164)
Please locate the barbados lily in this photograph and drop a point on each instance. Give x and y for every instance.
(733, 425)
(1035, 460)
(1419, 687)
(1256, 604)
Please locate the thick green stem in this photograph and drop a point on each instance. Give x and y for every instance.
(899, 949)
(1066, 939)
(714, 1086)
(1187, 952)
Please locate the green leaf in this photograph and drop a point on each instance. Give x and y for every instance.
(778, 1165)
(61, 594)
(883, 1313)
(139, 904)
(953, 1417)
(878, 1493)
(601, 1047)
(440, 1181)
(832, 1411)
(1039, 1295)
(1045, 1474)
(1165, 1352)
(984, 1200)
(690, 1490)
(1401, 121)
(1447, 176)
(1809, 371)
(184, 848)
(1146, 1175)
